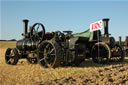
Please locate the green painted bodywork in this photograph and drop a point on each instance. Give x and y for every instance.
(86, 34)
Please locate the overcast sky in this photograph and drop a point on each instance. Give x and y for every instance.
(75, 15)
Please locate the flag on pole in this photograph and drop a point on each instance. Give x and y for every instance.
(96, 25)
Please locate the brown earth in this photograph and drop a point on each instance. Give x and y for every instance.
(88, 73)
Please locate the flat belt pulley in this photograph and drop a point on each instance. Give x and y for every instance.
(37, 32)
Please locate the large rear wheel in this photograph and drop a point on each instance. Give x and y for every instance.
(49, 54)
(101, 53)
(11, 56)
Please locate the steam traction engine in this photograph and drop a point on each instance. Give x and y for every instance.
(53, 49)
(27, 47)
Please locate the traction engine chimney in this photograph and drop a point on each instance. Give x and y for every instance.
(120, 41)
(25, 27)
(106, 34)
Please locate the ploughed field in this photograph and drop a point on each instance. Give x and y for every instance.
(88, 73)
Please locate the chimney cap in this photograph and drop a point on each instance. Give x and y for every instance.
(106, 19)
(25, 20)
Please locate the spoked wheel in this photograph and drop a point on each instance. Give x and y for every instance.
(37, 32)
(101, 53)
(11, 56)
(117, 54)
(49, 54)
(32, 60)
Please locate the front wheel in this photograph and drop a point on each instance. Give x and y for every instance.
(11, 56)
(117, 54)
(101, 53)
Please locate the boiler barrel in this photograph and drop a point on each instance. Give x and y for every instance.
(26, 45)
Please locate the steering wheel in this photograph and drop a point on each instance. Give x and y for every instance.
(37, 32)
